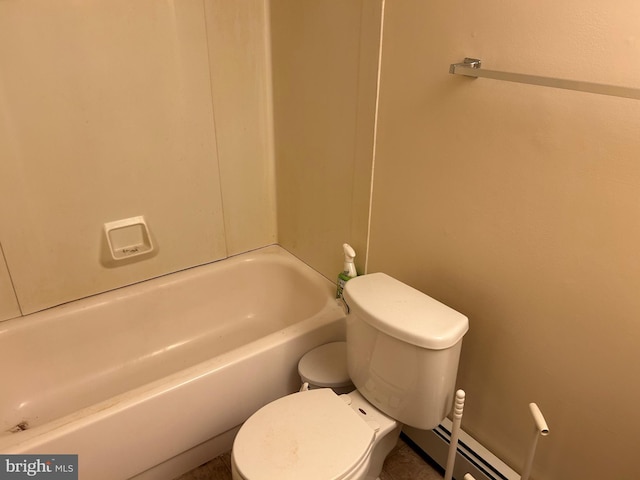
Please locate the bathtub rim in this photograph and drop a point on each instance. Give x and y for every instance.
(143, 286)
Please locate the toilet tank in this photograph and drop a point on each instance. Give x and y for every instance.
(403, 349)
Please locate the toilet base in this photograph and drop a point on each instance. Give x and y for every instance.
(380, 452)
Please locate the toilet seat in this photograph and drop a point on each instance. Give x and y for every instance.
(311, 435)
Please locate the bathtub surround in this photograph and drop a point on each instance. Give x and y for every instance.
(8, 302)
(324, 62)
(240, 69)
(114, 109)
(181, 131)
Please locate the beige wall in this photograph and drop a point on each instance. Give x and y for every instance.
(324, 79)
(518, 205)
(108, 112)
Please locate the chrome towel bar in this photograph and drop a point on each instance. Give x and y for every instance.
(471, 68)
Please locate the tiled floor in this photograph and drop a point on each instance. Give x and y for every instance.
(401, 464)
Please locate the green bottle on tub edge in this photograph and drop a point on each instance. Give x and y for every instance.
(349, 269)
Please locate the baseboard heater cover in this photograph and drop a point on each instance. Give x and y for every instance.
(471, 458)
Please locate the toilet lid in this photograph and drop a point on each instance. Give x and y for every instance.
(326, 366)
(307, 435)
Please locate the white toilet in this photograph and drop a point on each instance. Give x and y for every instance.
(403, 349)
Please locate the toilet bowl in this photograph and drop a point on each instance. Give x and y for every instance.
(402, 355)
(314, 434)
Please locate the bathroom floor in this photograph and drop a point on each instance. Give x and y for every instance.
(403, 463)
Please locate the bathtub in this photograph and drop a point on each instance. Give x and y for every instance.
(153, 379)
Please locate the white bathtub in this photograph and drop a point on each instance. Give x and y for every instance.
(159, 375)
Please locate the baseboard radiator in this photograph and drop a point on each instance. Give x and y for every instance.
(472, 457)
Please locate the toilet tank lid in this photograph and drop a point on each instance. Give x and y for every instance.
(404, 312)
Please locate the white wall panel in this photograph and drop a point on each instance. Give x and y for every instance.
(105, 113)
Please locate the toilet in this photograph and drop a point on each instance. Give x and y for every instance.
(402, 353)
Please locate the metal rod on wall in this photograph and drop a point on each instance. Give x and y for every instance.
(471, 67)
